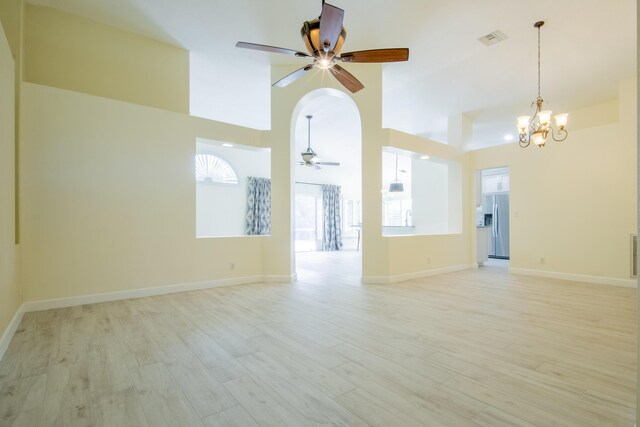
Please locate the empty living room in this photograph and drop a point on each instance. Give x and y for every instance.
(301, 213)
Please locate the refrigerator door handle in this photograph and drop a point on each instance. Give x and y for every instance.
(494, 220)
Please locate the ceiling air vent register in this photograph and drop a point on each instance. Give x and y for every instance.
(492, 38)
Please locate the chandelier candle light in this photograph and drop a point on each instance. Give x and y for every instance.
(537, 129)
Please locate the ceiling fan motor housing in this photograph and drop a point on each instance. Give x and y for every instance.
(308, 155)
(311, 36)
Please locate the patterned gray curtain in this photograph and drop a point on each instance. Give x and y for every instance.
(332, 229)
(258, 206)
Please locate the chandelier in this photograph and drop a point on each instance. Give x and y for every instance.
(536, 129)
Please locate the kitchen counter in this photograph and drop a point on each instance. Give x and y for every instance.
(482, 243)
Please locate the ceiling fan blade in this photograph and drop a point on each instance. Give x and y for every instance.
(377, 55)
(330, 26)
(327, 163)
(272, 49)
(346, 78)
(290, 78)
(316, 166)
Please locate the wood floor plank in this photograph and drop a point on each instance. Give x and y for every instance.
(201, 388)
(163, 402)
(120, 409)
(67, 398)
(374, 411)
(305, 367)
(311, 402)
(232, 417)
(262, 405)
(21, 401)
(493, 417)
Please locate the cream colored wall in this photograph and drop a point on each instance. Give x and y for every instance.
(10, 299)
(74, 53)
(574, 203)
(278, 256)
(415, 254)
(12, 17)
(109, 198)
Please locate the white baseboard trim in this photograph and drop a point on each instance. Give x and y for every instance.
(11, 330)
(137, 293)
(386, 280)
(627, 283)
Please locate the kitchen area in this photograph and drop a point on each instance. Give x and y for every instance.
(492, 216)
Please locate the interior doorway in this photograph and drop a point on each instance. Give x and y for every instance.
(493, 217)
(327, 192)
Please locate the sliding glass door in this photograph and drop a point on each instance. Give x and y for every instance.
(308, 222)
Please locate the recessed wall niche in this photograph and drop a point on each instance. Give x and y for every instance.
(421, 195)
(233, 189)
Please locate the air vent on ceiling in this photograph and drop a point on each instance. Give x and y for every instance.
(493, 38)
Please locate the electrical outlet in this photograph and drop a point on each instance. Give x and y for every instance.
(543, 261)
(428, 260)
(232, 265)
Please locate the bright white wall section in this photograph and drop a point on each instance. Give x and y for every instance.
(432, 197)
(221, 208)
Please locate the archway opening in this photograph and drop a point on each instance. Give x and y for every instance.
(327, 191)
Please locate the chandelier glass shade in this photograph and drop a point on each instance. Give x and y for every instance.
(537, 128)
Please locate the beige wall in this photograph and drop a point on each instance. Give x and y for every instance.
(574, 203)
(109, 198)
(12, 17)
(278, 258)
(74, 53)
(10, 299)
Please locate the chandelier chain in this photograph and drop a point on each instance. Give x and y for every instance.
(538, 62)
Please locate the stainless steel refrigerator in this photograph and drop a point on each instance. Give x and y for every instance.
(496, 210)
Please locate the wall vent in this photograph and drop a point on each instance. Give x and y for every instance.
(634, 255)
(492, 38)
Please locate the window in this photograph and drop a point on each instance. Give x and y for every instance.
(354, 214)
(212, 169)
(221, 173)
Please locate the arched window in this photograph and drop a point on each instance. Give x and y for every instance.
(210, 169)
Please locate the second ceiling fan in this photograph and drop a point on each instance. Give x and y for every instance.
(323, 38)
(309, 157)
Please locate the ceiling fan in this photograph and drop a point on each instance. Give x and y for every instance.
(309, 157)
(323, 38)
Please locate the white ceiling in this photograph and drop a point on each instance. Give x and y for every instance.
(587, 47)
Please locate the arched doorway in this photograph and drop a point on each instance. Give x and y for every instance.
(334, 133)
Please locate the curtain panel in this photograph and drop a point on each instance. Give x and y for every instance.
(258, 218)
(332, 229)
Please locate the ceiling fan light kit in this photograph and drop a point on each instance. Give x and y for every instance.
(324, 38)
(309, 157)
(537, 128)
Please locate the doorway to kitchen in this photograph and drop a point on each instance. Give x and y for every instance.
(492, 217)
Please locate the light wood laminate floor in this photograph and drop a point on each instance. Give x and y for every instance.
(474, 348)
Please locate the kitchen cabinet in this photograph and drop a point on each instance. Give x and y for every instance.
(495, 183)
